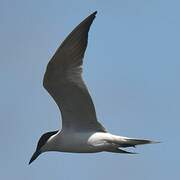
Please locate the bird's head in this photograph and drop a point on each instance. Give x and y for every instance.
(41, 143)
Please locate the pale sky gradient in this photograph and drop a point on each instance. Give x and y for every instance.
(132, 68)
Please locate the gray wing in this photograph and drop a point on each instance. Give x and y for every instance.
(64, 82)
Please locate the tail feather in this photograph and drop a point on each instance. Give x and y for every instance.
(134, 142)
(118, 150)
(117, 145)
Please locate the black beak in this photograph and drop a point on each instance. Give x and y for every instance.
(34, 156)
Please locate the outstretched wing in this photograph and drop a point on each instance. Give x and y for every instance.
(64, 82)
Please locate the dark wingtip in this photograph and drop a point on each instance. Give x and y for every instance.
(95, 12)
(93, 15)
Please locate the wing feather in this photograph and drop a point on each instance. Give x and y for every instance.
(64, 82)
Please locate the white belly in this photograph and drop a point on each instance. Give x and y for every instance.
(79, 142)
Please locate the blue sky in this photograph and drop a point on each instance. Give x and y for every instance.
(132, 70)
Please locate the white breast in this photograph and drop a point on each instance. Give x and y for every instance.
(73, 142)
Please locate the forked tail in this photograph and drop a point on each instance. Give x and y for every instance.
(132, 142)
(121, 143)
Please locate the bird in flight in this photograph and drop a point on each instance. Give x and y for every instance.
(81, 132)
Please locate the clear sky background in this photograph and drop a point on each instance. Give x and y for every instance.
(132, 68)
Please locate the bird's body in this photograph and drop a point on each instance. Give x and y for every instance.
(82, 142)
(81, 131)
(79, 142)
